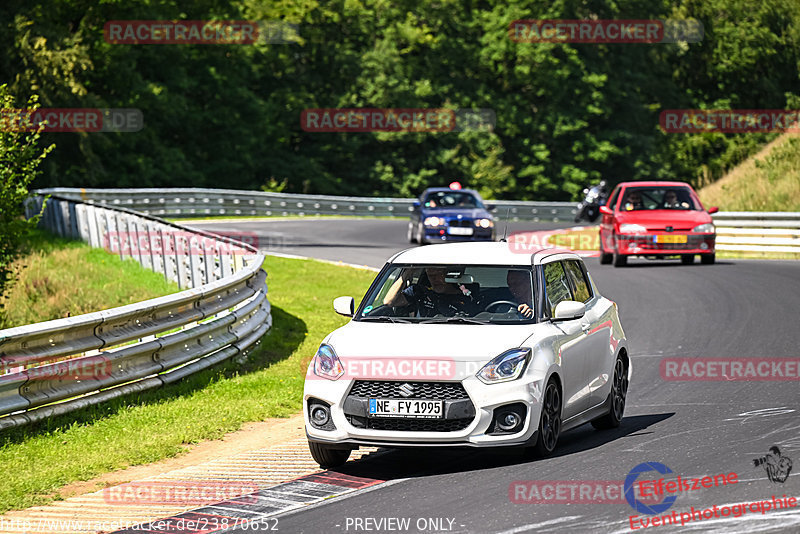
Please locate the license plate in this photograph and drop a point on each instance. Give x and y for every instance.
(417, 408)
(456, 230)
(670, 238)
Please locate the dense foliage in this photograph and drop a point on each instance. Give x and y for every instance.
(567, 114)
(20, 158)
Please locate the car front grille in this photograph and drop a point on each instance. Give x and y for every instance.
(409, 425)
(459, 412)
(421, 390)
(646, 242)
(462, 223)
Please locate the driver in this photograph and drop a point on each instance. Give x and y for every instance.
(438, 297)
(671, 199)
(519, 283)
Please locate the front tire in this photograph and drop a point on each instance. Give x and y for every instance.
(605, 257)
(410, 233)
(327, 456)
(708, 259)
(421, 235)
(619, 392)
(620, 260)
(549, 421)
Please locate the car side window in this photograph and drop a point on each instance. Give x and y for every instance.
(556, 285)
(580, 285)
(613, 199)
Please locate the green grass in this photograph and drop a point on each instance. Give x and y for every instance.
(57, 278)
(277, 217)
(39, 459)
(768, 181)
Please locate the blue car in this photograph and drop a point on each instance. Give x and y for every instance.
(450, 214)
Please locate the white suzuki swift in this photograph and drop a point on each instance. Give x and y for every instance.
(468, 344)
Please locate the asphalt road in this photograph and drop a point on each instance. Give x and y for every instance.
(731, 309)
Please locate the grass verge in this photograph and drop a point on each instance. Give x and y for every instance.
(39, 459)
(768, 181)
(57, 278)
(218, 218)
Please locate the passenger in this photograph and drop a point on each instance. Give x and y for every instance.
(633, 201)
(438, 297)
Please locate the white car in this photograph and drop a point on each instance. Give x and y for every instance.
(470, 344)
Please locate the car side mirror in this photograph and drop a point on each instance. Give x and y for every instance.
(416, 205)
(491, 207)
(713, 209)
(605, 210)
(566, 310)
(344, 306)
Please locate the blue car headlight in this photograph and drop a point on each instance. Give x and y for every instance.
(506, 367)
(327, 363)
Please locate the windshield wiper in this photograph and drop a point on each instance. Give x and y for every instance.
(384, 319)
(458, 320)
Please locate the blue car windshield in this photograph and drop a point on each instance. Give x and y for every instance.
(452, 199)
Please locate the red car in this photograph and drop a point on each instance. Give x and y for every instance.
(656, 219)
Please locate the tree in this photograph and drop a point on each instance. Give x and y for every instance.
(20, 158)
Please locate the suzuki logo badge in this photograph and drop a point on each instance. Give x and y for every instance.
(406, 390)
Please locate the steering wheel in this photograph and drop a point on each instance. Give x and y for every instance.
(498, 302)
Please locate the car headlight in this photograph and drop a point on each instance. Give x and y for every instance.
(433, 221)
(327, 363)
(508, 366)
(484, 223)
(632, 229)
(707, 228)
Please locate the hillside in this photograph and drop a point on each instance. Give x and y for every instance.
(767, 181)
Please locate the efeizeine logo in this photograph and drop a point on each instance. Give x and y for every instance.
(636, 504)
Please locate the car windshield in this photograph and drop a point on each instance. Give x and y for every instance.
(658, 198)
(452, 294)
(452, 199)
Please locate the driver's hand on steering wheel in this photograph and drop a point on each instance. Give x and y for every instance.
(525, 310)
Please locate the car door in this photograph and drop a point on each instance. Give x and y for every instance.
(416, 211)
(571, 342)
(607, 222)
(596, 325)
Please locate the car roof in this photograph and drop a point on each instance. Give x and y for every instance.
(482, 253)
(654, 184)
(447, 189)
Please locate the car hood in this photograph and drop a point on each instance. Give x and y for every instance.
(475, 213)
(422, 351)
(659, 219)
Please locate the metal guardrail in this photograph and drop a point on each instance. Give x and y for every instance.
(758, 232)
(188, 202)
(736, 231)
(57, 366)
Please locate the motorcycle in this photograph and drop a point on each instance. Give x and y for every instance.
(589, 207)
